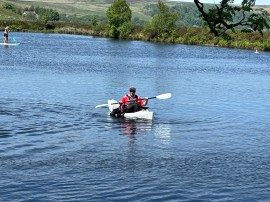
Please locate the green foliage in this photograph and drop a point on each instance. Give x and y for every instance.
(94, 21)
(99, 30)
(125, 30)
(8, 6)
(188, 13)
(47, 14)
(229, 17)
(30, 15)
(113, 32)
(43, 14)
(87, 19)
(138, 21)
(150, 9)
(163, 24)
(118, 14)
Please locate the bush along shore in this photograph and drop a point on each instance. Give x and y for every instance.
(182, 35)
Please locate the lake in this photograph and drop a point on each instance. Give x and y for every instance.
(209, 142)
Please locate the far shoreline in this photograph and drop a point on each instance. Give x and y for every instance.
(185, 35)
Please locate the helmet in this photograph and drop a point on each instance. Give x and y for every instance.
(132, 89)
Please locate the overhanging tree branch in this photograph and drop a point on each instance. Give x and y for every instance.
(226, 16)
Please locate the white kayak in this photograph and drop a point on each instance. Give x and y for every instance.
(142, 114)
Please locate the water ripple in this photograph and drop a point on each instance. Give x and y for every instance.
(209, 142)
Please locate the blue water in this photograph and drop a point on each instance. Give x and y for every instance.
(209, 142)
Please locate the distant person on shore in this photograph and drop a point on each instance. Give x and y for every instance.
(6, 31)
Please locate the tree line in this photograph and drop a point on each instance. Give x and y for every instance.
(226, 27)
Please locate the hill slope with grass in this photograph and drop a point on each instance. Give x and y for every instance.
(80, 10)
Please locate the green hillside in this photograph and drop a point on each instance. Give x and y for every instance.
(79, 8)
(83, 10)
(9, 14)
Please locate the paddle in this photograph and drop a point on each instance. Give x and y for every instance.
(160, 97)
(102, 105)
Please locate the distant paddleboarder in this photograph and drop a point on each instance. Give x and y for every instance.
(6, 31)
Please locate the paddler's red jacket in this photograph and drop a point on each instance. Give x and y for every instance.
(125, 99)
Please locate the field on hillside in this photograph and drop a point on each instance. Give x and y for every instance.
(81, 8)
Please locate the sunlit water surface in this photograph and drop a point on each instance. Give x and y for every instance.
(209, 142)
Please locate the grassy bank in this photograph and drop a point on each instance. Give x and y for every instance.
(184, 35)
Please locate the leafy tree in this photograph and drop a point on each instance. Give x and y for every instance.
(222, 17)
(30, 16)
(137, 21)
(119, 16)
(8, 6)
(46, 15)
(125, 30)
(163, 25)
(150, 9)
(94, 21)
(189, 14)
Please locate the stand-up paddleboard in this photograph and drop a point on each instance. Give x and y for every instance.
(9, 44)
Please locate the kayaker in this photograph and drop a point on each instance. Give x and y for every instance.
(6, 31)
(130, 103)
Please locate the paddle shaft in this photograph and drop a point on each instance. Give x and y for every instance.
(149, 98)
(133, 100)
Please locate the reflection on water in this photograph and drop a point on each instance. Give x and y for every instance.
(132, 127)
(128, 128)
(163, 132)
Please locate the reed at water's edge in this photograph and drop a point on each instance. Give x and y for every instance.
(183, 35)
